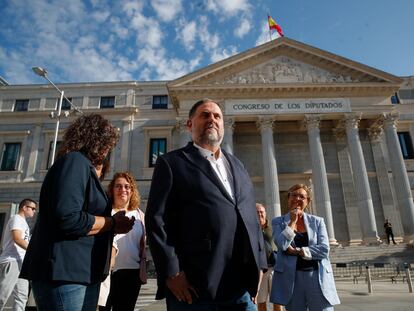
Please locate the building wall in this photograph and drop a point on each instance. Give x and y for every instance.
(138, 123)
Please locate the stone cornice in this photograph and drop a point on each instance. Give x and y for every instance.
(15, 133)
(83, 85)
(280, 91)
(45, 113)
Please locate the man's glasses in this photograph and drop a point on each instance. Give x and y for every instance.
(33, 208)
(298, 196)
(120, 187)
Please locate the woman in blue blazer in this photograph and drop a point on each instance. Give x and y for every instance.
(68, 254)
(303, 278)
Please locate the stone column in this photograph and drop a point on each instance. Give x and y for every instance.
(411, 130)
(388, 207)
(125, 145)
(184, 134)
(227, 143)
(34, 152)
(362, 188)
(348, 189)
(399, 173)
(320, 180)
(271, 183)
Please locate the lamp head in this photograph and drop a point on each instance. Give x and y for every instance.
(40, 71)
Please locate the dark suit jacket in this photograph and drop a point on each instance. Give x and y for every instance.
(191, 221)
(60, 249)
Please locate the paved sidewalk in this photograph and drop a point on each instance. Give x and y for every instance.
(355, 297)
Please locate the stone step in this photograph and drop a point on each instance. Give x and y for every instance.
(373, 253)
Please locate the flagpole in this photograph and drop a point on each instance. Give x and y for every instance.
(270, 32)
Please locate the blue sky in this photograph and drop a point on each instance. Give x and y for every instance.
(123, 40)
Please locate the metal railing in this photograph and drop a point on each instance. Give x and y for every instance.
(374, 271)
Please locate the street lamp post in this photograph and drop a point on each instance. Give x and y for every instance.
(43, 73)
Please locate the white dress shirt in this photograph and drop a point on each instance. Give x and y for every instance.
(220, 166)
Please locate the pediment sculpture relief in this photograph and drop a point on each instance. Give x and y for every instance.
(284, 70)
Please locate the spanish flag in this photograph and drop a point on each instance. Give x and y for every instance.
(273, 25)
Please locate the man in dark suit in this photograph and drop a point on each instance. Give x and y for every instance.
(201, 220)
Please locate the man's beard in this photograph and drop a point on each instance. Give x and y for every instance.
(211, 138)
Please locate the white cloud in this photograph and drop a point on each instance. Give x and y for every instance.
(126, 64)
(186, 33)
(148, 30)
(243, 28)
(152, 36)
(105, 47)
(138, 21)
(113, 41)
(167, 10)
(264, 34)
(219, 54)
(210, 41)
(100, 16)
(228, 7)
(15, 68)
(118, 29)
(90, 65)
(132, 7)
(86, 42)
(68, 44)
(165, 68)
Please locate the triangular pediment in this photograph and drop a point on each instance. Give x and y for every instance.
(284, 61)
(283, 69)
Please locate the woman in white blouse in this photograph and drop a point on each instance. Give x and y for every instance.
(129, 270)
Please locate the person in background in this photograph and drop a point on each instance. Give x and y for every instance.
(69, 252)
(303, 277)
(388, 231)
(202, 225)
(16, 239)
(266, 283)
(129, 270)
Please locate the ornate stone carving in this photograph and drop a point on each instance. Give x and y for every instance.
(311, 121)
(391, 119)
(375, 130)
(264, 123)
(352, 120)
(339, 132)
(284, 70)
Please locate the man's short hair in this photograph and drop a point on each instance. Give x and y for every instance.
(24, 202)
(198, 104)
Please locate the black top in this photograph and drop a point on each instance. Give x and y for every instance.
(302, 240)
(60, 248)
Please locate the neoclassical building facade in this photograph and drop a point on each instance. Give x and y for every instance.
(293, 114)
